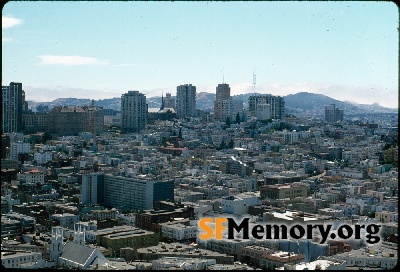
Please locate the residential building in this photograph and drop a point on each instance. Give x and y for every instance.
(133, 112)
(186, 101)
(333, 114)
(12, 101)
(277, 105)
(92, 189)
(179, 230)
(33, 122)
(281, 191)
(32, 177)
(239, 204)
(135, 193)
(19, 259)
(19, 148)
(221, 103)
(72, 120)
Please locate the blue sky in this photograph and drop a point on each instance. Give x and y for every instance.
(346, 50)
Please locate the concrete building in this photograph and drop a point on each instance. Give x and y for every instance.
(133, 112)
(134, 238)
(104, 214)
(135, 193)
(263, 111)
(279, 259)
(333, 114)
(182, 251)
(221, 103)
(239, 204)
(179, 230)
(19, 148)
(42, 157)
(185, 101)
(66, 220)
(277, 105)
(386, 216)
(33, 122)
(19, 259)
(33, 177)
(12, 101)
(281, 191)
(383, 257)
(92, 189)
(72, 120)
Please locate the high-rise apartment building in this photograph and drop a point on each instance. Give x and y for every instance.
(133, 112)
(333, 114)
(13, 104)
(277, 105)
(92, 189)
(138, 193)
(185, 101)
(71, 120)
(222, 95)
(33, 122)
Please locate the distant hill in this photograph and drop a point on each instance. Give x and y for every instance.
(302, 102)
(305, 101)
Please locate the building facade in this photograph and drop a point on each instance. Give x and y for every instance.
(333, 114)
(12, 102)
(277, 105)
(92, 189)
(185, 101)
(71, 120)
(133, 112)
(135, 193)
(221, 103)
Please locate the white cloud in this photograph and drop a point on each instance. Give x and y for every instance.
(7, 22)
(70, 60)
(4, 39)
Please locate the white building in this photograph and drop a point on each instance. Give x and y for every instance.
(17, 259)
(19, 148)
(42, 157)
(384, 257)
(177, 231)
(33, 176)
(239, 204)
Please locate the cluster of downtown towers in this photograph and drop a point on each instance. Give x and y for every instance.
(71, 120)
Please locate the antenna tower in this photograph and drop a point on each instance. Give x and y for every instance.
(254, 81)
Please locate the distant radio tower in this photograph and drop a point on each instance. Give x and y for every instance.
(254, 81)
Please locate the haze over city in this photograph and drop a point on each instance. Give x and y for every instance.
(346, 50)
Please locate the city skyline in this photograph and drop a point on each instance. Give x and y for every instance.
(346, 50)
